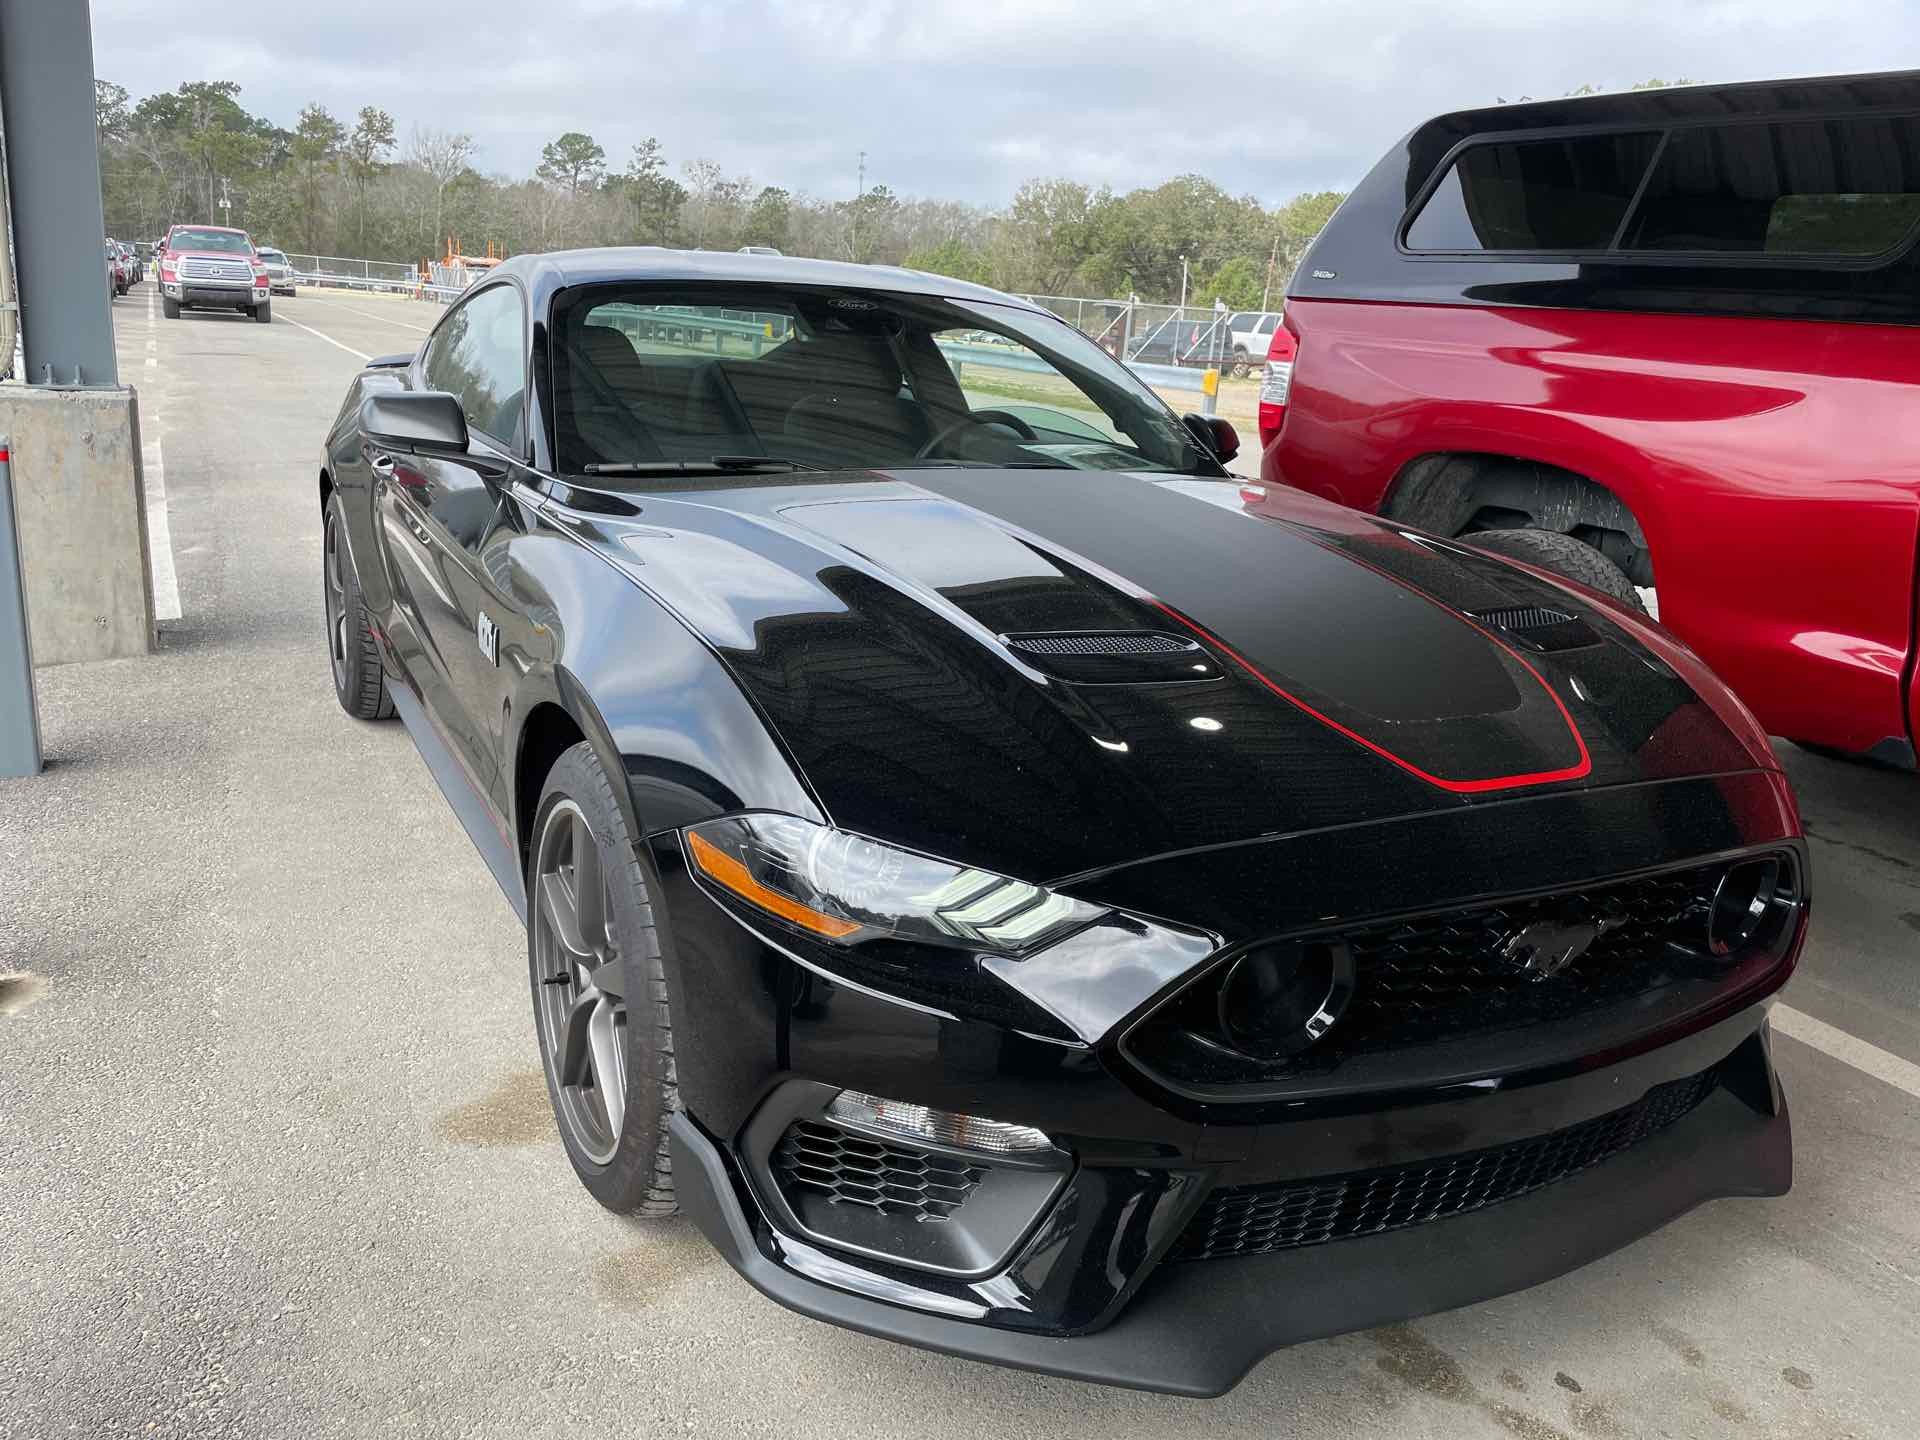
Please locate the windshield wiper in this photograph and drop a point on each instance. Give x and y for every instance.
(712, 465)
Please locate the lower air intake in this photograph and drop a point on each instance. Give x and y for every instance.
(1261, 1219)
(849, 1169)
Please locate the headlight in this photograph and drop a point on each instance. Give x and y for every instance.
(846, 888)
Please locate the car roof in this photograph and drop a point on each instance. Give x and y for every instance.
(553, 270)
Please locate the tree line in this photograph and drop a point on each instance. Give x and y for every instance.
(351, 186)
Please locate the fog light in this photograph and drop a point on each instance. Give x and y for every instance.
(928, 1189)
(938, 1127)
(1278, 1000)
(1743, 906)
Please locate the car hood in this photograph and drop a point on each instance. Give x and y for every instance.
(1054, 673)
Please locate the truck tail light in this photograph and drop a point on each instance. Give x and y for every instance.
(1276, 380)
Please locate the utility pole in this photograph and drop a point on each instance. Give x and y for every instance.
(859, 204)
(1183, 287)
(1273, 259)
(226, 200)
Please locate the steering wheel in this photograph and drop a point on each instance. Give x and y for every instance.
(979, 417)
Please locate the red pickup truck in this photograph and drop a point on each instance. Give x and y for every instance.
(1664, 339)
(213, 267)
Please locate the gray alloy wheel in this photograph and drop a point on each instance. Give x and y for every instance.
(359, 683)
(599, 991)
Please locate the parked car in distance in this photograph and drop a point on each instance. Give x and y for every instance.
(1011, 899)
(280, 271)
(1668, 338)
(117, 267)
(213, 267)
(1252, 332)
(1181, 340)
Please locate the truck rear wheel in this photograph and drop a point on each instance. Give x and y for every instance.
(1563, 555)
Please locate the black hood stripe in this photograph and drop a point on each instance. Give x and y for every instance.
(1579, 770)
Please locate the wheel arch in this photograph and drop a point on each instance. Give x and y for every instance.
(1457, 492)
(550, 725)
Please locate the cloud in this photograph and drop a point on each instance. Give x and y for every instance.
(966, 100)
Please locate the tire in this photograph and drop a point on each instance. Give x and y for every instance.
(359, 682)
(170, 308)
(1563, 555)
(625, 1028)
(1239, 367)
(263, 312)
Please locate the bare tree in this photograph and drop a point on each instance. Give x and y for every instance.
(444, 156)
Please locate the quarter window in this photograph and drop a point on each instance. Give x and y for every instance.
(1805, 187)
(479, 353)
(1566, 194)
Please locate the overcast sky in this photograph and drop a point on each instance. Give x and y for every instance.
(967, 98)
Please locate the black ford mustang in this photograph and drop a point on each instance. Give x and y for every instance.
(1014, 900)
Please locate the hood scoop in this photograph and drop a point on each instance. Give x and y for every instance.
(1537, 627)
(1114, 657)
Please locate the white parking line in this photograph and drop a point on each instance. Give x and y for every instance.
(357, 354)
(166, 580)
(1848, 1049)
(383, 319)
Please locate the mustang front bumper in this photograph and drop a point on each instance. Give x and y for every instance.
(1195, 1327)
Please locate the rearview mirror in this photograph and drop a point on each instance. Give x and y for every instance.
(1219, 437)
(415, 422)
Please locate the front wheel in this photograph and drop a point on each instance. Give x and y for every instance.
(263, 312)
(1240, 365)
(170, 308)
(1563, 555)
(599, 991)
(358, 681)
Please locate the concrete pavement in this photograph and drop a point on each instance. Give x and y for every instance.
(276, 1160)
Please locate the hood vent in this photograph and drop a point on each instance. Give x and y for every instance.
(1537, 627)
(1114, 657)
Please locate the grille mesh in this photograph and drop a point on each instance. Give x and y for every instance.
(1437, 976)
(1145, 642)
(1522, 617)
(1260, 1219)
(853, 1170)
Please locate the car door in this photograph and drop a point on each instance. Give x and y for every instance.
(446, 517)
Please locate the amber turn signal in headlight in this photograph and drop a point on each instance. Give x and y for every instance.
(846, 888)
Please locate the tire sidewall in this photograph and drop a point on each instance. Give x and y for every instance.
(633, 1176)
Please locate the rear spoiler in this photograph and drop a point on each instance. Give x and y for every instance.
(390, 362)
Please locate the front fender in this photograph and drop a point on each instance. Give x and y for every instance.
(659, 707)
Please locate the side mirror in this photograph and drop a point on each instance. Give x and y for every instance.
(1216, 436)
(415, 422)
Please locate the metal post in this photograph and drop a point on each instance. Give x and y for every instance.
(46, 98)
(19, 720)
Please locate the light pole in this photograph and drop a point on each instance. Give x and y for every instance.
(1183, 285)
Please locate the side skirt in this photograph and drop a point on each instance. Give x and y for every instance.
(476, 817)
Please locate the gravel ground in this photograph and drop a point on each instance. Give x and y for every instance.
(275, 1158)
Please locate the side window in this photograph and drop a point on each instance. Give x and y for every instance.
(1842, 187)
(480, 354)
(1554, 194)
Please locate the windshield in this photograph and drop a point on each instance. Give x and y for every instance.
(648, 376)
(230, 241)
(272, 257)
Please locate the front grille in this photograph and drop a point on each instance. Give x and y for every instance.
(1438, 976)
(1412, 993)
(1144, 642)
(854, 1170)
(199, 267)
(1260, 1219)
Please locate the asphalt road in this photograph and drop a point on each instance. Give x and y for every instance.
(275, 1159)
